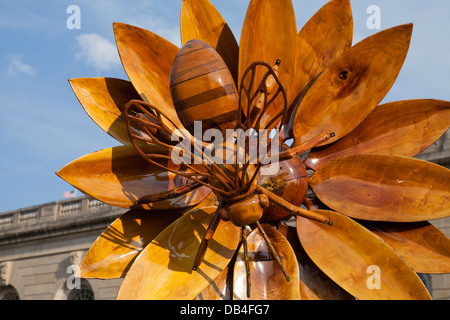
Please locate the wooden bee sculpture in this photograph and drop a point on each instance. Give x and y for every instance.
(203, 89)
(267, 169)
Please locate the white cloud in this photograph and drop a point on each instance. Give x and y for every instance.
(17, 66)
(97, 52)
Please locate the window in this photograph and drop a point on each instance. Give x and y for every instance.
(83, 293)
(8, 293)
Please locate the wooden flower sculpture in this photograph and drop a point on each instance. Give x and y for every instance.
(350, 221)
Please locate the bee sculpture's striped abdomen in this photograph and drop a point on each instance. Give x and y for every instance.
(202, 88)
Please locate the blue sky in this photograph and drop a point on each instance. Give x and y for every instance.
(42, 125)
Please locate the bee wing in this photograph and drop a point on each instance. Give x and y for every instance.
(262, 98)
(183, 149)
(153, 130)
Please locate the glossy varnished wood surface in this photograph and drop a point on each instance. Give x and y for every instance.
(384, 188)
(423, 246)
(314, 284)
(267, 279)
(163, 270)
(147, 59)
(403, 128)
(352, 86)
(346, 250)
(219, 289)
(113, 252)
(104, 99)
(120, 176)
(201, 20)
(202, 88)
(323, 38)
(290, 183)
(268, 34)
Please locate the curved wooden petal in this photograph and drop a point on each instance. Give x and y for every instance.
(403, 128)
(423, 246)
(120, 176)
(384, 188)
(266, 277)
(357, 260)
(219, 289)
(269, 33)
(112, 254)
(104, 99)
(314, 284)
(147, 59)
(323, 38)
(163, 270)
(201, 20)
(352, 86)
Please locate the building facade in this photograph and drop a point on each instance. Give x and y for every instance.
(41, 246)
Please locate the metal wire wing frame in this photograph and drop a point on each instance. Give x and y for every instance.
(153, 131)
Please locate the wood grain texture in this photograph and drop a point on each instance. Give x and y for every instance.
(352, 86)
(163, 270)
(314, 284)
(423, 246)
(268, 34)
(147, 59)
(402, 128)
(120, 176)
(267, 280)
(326, 36)
(201, 20)
(103, 99)
(290, 183)
(346, 250)
(384, 188)
(202, 88)
(113, 252)
(219, 289)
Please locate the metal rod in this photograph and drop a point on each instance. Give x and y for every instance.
(246, 259)
(294, 209)
(207, 237)
(169, 194)
(273, 251)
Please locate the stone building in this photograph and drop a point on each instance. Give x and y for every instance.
(41, 246)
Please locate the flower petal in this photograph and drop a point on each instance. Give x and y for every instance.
(314, 284)
(323, 38)
(201, 20)
(219, 289)
(147, 59)
(103, 99)
(163, 270)
(423, 246)
(352, 86)
(402, 128)
(269, 33)
(120, 176)
(359, 261)
(112, 254)
(266, 278)
(384, 188)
